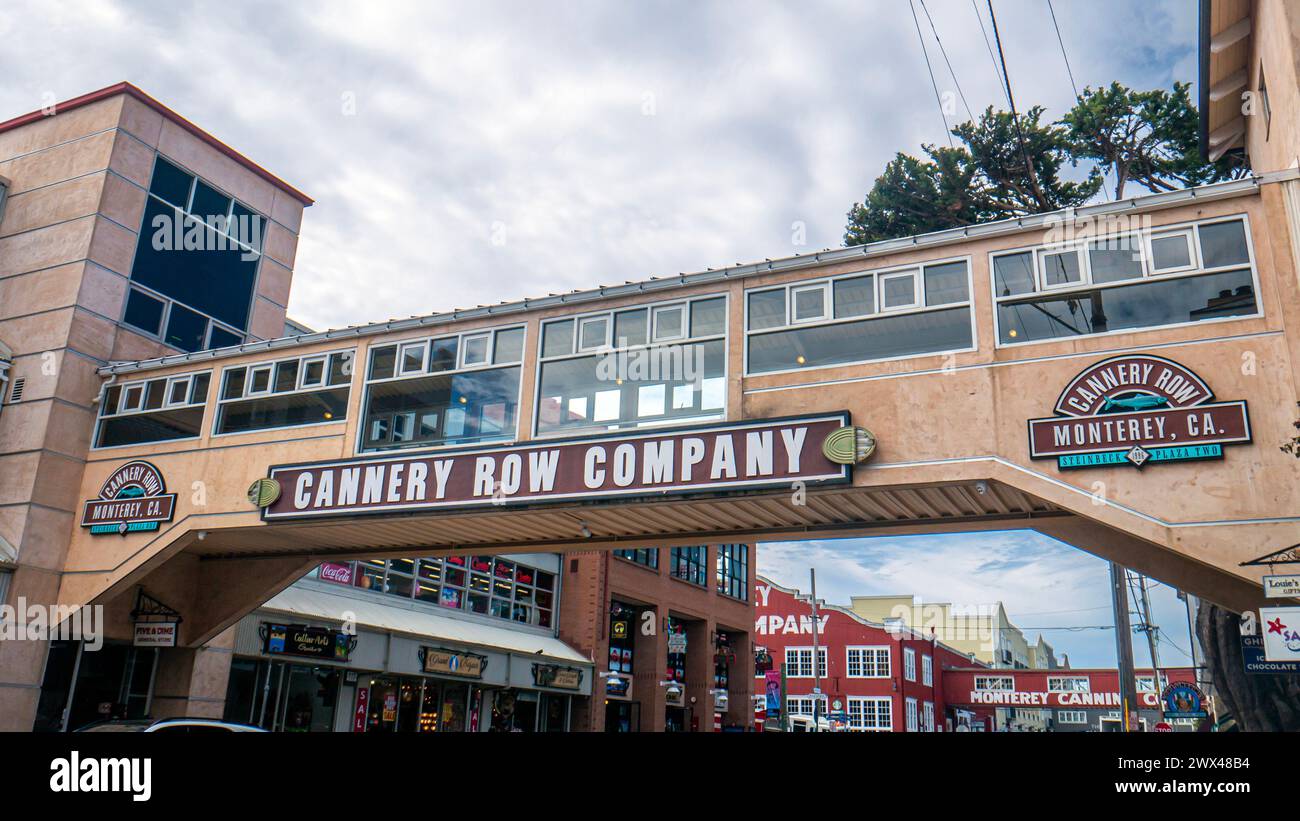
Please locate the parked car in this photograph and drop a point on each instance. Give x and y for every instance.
(189, 726)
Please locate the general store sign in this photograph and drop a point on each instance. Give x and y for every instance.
(154, 634)
(133, 498)
(1135, 410)
(770, 453)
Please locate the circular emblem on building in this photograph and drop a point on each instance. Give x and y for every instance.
(263, 492)
(849, 445)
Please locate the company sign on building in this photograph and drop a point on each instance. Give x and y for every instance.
(1135, 410)
(700, 459)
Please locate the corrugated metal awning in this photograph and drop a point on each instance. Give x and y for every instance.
(304, 602)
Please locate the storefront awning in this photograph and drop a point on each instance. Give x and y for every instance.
(301, 600)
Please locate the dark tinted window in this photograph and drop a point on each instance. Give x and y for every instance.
(170, 183)
(217, 281)
(143, 312)
(208, 201)
(278, 411)
(1142, 305)
(185, 329)
(878, 338)
(1014, 274)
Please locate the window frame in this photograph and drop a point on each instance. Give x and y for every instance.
(823, 665)
(186, 214)
(911, 715)
(849, 701)
(1148, 275)
(608, 314)
(927, 670)
(916, 269)
(876, 650)
(1054, 684)
(142, 384)
(1191, 240)
(367, 381)
(909, 664)
(1011, 680)
(795, 290)
(680, 308)
(270, 390)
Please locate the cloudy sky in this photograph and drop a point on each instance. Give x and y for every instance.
(469, 153)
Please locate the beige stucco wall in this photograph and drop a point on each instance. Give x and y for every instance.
(1275, 51)
(938, 419)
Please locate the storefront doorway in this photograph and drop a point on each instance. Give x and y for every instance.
(622, 717)
(115, 681)
(283, 697)
(408, 704)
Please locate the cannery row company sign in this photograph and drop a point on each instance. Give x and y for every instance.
(134, 497)
(1134, 410)
(770, 453)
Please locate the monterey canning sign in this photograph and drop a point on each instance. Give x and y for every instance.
(736, 456)
(134, 497)
(1137, 409)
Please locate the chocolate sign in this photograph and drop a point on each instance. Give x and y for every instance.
(1135, 410)
(770, 453)
(134, 497)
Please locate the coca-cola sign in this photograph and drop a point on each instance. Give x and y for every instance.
(336, 572)
(736, 456)
(1137, 409)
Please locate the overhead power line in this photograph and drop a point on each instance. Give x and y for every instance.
(1065, 56)
(944, 52)
(925, 53)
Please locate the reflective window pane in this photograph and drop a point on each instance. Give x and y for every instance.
(631, 327)
(574, 395)
(766, 309)
(509, 346)
(383, 361)
(898, 291)
(1061, 268)
(1115, 260)
(946, 283)
(1170, 252)
(441, 409)
(1224, 243)
(709, 317)
(171, 183)
(442, 355)
(1125, 307)
(186, 329)
(878, 338)
(557, 338)
(1013, 274)
(855, 296)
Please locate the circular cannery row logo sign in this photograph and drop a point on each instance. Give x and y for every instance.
(133, 498)
(1135, 410)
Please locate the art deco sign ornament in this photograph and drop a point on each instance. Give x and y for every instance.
(1137, 410)
(850, 445)
(133, 498)
(771, 453)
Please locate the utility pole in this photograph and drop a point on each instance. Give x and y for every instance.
(1152, 631)
(817, 671)
(1123, 642)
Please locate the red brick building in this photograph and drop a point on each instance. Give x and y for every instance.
(883, 680)
(669, 629)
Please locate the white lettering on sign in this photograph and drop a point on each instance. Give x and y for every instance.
(737, 455)
(788, 625)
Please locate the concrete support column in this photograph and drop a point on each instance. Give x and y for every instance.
(650, 660)
(699, 674)
(191, 681)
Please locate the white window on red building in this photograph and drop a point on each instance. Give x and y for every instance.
(798, 662)
(872, 714)
(1068, 684)
(927, 716)
(909, 664)
(867, 662)
(1000, 683)
(803, 705)
(927, 671)
(1071, 717)
(911, 715)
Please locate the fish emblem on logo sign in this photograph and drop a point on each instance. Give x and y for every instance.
(849, 445)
